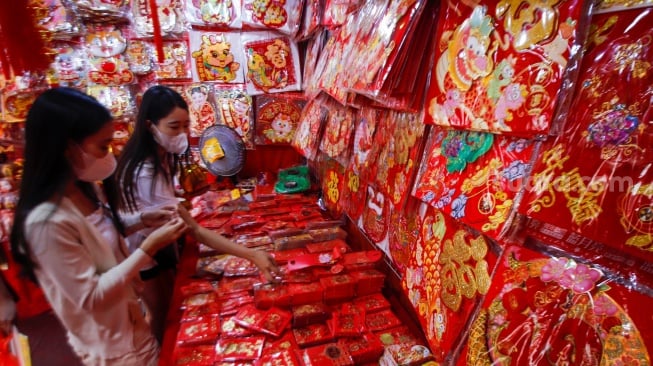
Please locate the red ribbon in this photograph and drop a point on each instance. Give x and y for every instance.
(156, 25)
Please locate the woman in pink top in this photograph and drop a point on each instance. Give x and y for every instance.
(71, 242)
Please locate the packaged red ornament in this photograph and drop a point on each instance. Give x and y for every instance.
(271, 294)
(363, 349)
(368, 281)
(305, 293)
(338, 288)
(311, 125)
(277, 118)
(381, 320)
(326, 355)
(312, 335)
(240, 349)
(272, 63)
(372, 303)
(201, 331)
(304, 315)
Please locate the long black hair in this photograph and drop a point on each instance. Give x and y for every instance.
(158, 102)
(58, 117)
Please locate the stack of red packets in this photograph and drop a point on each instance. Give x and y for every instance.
(327, 309)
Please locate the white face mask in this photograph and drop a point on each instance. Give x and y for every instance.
(172, 144)
(95, 169)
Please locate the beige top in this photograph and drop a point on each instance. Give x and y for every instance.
(88, 289)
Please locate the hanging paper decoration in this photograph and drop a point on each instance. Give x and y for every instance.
(353, 195)
(311, 19)
(235, 109)
(332, 185)
(555, 310)
(122, 132)
(217, 57)
(70, 66)
(398, 156)
(313, 50)
(594, 183)
(336, 11)
(448, 272)
(106, 45)
(117, 99)
(175, 61)
(368, 120)
(272, 63)
(277, 118)
(139, 57)
(59, 21)
(310, 129)
(202, 111)
(169, 14)
(281, 15)
(376, 213)
(215, 13)
(500, 65)
(474, 176)
(16, 104)
(338, 132)
(405, 224)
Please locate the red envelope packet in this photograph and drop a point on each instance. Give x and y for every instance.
(201, 312)
(368, 281)
(274, 322)
(232, 305)
(196, 287)
(327, 354)
(237, 284)
(199, 300)
(338, 287)
(305, 293)
(283, 256)
(312, 335)
(231, 329)
(347, 325)
(304, 315)
(363, 349)
(372, 303)
(240, 349)
(248, 316)
(203, 355)
(199, 332)
(271, 294)
(283, 358)
(328, 246)
(382, 320)
(284, 343)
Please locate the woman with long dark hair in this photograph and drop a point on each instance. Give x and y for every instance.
(146, 172)
(68, 237)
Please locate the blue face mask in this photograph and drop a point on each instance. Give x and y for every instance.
(172, 144)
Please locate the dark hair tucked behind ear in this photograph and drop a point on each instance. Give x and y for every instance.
(58, 117)
(158, 102)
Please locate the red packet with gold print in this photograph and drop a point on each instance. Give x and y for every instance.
(274, 322)
(327, 355)
(554, 309)
(312, 335)
(240, 349)
(231, 329)
(499, 66)
(283, 358)
(203, 355)
(202, 331)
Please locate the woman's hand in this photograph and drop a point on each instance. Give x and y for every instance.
(156, 218)
(266, 265)
(164, 235)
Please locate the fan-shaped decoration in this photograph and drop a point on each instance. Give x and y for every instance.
(222, 150)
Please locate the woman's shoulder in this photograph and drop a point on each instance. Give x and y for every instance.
(50, 212)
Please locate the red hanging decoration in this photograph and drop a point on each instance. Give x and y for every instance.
(23, 41)
(156, 25)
